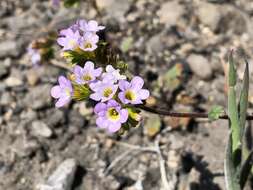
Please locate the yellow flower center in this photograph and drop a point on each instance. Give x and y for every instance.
(107, 92)
(72, 43)
(88, 45)
(113, 114)
(87, 77)
(67, 91)
(130, 95)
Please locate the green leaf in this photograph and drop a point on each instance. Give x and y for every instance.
(171, 80)
(215, 112)
(245, 169)
(232, 71)
(243, 102)
(126, 44)
(231, 177)
(234, 120)
(70, 3)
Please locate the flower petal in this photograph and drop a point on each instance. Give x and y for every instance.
(56, 91)
(99, 107)
(95, 96)
(102, 122)
(137, 83)
(143, 94)
(124, 85)
(114, 127)
(112, 103)
(62, 101)
(123, 115)
(122, 98)
(89, 66)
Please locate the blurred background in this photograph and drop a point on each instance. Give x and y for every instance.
(178, 46)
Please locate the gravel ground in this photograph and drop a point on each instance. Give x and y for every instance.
(44, 148)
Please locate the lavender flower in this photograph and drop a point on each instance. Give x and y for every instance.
(90, 26)
(86, 74)
(56, 3)
(110, 115)
(88, 42)
(34, 54)
(132, 92)
(112, 74)
(70, 40)
(62, 92)
(103, 90)
(74, 28)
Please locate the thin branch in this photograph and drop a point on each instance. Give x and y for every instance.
(182, 114)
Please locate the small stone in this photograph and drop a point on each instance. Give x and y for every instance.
(6, 99)
(3, 71)
(32, 77)
(200, 66)
(62, 178)
(55, 118)
(40, 129)
(9, 48)
(38, 97)
(170, 12)
(209, 14)
(13, 81)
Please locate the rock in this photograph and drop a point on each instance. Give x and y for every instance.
(76, 119)
(38, 97)
(3, 71)
(32, 77)
(209, 14)
(9, 48)
(115, 9)
(55, 118)
(200, 66)
(170, 12)
(13, 81)
(62, 178)
(40, 129)
(6, 99)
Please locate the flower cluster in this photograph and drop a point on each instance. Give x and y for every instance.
(111, 90)
(80, 36)
(113, 94)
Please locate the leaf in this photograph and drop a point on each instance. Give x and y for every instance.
(243, 102)
(153, 125)
(234, 120)
(231, 177)
(126, 44)
(215, 112)
(245, 169)
(171, 80)
(70, 3)
(231, 71)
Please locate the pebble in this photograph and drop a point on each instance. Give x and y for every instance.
(9, 48)
(13, 81)
(41, 129)
(3, 71)
(170, 12)
(62, 178)
(38, 97)
(209, 14)
(200, 66)
(32, 77)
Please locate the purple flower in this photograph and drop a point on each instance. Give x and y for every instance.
(103, 91)
(88, 42)
(132, 92)
(70, 39)
(112, 74)
(86, 74)
(35, 55)
(90, 26)
(62, 92)
(56, 3)
(110, 115)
